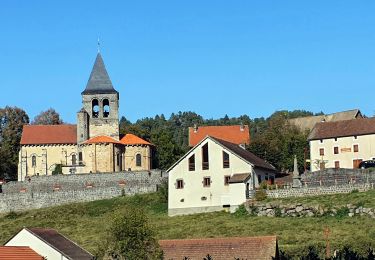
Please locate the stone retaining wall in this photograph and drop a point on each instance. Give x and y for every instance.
(47, 191)
(315, 191)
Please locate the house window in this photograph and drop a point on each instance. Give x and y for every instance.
(205, 165)
(337, 164)
(225, 160)
(335, 139)
(259, 179)
(192, 163)
(74, 159)
(33, 161)
(138, 160)
(80, 159)
(271, 180)
(321, 151)
(226, 180)
(355, 148)
(335, 150)
(206, 181)
(321, 141)
(179, 184)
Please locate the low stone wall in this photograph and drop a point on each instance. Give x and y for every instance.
(47, 191)
(300, 210)
(315, 191)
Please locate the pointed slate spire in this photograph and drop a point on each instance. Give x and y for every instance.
(99, 81)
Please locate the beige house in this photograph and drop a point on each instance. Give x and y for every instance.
(93, 145)
(214, 175)
(342, 144)
(49, 243)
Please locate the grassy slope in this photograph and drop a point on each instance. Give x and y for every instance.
(86, 223)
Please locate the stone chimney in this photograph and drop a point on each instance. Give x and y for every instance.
(195, 128)
(242, 127)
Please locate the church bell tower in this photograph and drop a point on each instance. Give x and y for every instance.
(99, 114)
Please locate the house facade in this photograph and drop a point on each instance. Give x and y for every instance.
(214, 175)
(93, 145)
(342, 144)
(49, 243)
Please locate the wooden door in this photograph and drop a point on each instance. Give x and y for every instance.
(356, 163)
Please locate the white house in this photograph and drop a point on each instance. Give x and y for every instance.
(49, 243)
(214, 175)
(342, 144)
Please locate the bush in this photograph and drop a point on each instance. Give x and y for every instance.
(163, 192)
(260, 195)
(342, 212)
(241, 211)
(57, 170)
(354, 191)
(278, 212)
(263, 185)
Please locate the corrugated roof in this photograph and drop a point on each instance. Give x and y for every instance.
(18, 253)
(99, 81)
(49, 134)
(102, 139)
(308, 122)
(64, 245)
(360, 126)
(130, 139)
(250, 248)
(246, 155)
(232, 133)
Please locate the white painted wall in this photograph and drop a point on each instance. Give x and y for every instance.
(25, 238)
(346, 155)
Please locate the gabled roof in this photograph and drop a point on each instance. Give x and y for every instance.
(130, 139)
(49, 134)
(62, 244)
(237, 150)
(99, 81)
(232, 133)
(360, 126)
(18, 252)
(308, 122)
(102, 139)
(256, 248)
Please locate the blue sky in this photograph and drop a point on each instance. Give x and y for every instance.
(211, 57)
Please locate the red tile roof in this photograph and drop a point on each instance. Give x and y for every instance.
(49, 134)
(230, 133)
(102, 139)
(130, 139)
(360, 126)
(18, 252)
(257, 248)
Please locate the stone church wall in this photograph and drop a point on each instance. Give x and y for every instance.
(55, 190)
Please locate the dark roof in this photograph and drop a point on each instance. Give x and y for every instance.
(99, 81)
(360, 126)
(245, 154)
(239, 177)
(256, 248)
(64, 245)
(19, 252)
(238, 134)
(49, 134)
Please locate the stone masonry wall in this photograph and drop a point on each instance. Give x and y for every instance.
(46, 191)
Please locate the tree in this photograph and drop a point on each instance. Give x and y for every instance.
(12, 120)
(48, 117)
(130, 237)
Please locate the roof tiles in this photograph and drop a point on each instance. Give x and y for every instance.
(18, 252)
(231, 133)
(130, 139)
(256, 248)
(49, 134)
(102, 139)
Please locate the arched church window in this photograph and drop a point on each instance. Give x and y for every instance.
(33, 161)
(106, 108)
(74, 159)
(95, 108)
(138, 160)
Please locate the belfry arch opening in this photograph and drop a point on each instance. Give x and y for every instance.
(106, 108)
(95, 108)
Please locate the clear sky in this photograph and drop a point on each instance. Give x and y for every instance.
(211, 57)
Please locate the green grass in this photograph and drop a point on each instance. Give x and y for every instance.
(85, 223)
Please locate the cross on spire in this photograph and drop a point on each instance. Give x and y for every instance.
(98, 45)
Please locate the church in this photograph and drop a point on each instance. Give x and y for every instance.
(93, 145)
